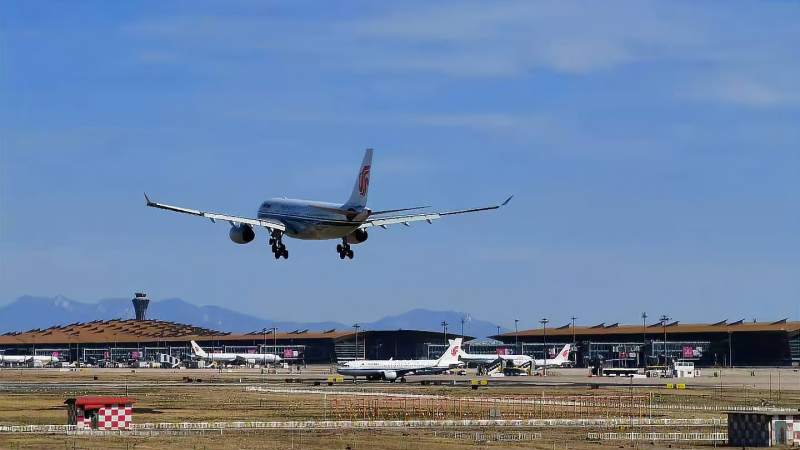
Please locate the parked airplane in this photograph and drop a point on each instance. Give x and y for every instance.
(27, 359)
(314, 220)
(391, 369)
(239, 358)
(560, 360)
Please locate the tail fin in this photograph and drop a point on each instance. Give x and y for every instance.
(563, 355)
(198, 351)
(450, 356)
(358, 198)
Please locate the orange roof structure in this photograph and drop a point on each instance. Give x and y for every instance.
(129, 330)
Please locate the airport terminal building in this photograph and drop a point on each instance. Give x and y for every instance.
(129, 340)
(722, 343)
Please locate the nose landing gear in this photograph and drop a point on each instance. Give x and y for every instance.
(278, 248)
(344, 250)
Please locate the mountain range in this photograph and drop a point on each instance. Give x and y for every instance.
(29, 312)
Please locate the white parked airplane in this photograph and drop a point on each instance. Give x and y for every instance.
(560, 360)
(313, 220)
(392, 369)
(239, 358)
(27, 359)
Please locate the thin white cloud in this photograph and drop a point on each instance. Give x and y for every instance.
(740, 56)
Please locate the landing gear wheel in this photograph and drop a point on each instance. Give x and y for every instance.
(341, 255)
(350, 254)
(339, 248)
(285, 253)
(277, 255)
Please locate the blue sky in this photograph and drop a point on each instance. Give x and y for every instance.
(652, 147)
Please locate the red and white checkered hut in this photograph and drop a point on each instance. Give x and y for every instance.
(100, 413)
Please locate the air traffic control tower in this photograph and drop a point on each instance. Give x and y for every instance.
(140, 302)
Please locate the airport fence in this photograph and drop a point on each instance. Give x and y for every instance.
(372, 424)
(720, 437)
(399, 405)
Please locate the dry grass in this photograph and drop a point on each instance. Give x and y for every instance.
(163, 397)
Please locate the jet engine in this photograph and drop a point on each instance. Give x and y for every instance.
(357, 237)
(242, 234)
(390, 375)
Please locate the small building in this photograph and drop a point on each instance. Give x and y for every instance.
(100, 413)
(764, 428)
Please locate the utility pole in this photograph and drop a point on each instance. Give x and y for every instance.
(275, 340)
(644, 338)
(664, 320)
(730, 349)
(544, 338)
(574, 343)
(356, 326)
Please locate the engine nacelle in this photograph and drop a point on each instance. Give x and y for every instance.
(357, 237)
(242, 234)
(390, 375)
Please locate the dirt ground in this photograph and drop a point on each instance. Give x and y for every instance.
(37, 397)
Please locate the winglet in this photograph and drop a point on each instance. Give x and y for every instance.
(507, 200)
(147, 199)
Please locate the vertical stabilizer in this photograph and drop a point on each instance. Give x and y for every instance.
(563, 355)
(450, 357)
(358, 198)
(198, 351)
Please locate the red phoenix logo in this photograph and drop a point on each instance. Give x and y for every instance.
(454, 351)
(363, 181)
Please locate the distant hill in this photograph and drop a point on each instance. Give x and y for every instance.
(30, 312)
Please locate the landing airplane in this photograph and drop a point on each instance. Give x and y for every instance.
(241, 358)
(560, 360)
(313, 220)
(392, 369)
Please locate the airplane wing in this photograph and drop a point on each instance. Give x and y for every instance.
(268, 224)
(383, 222)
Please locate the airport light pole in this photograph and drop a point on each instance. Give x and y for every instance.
(664, 318)
(516, 336)
(730, 349)
(644, 338)
(444, 331)
(356, 327)
(462, 328)
(573, 341)
(544, 338)
(275, 340)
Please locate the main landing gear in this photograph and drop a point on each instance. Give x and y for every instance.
(278, 248)
(344, 250)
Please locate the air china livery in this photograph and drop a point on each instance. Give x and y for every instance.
(391, 369)
(25, 359)
(313, 220)
(238, 358)
(560, 360)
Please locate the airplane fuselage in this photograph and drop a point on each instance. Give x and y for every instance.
(19, 359)
(379, 367)
(233, 357)
(311, 220)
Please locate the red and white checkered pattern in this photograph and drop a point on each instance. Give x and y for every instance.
(110, 417)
